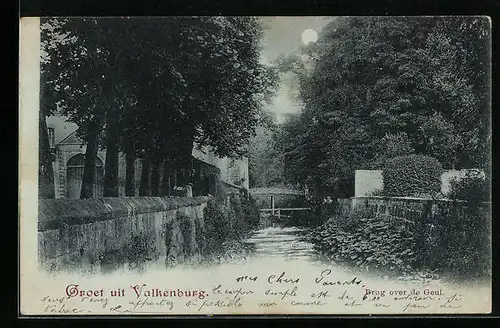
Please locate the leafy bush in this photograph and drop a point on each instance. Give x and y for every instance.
(467, 243)
(140, 250)
(412, 175)
(217, 224)
(368, 242)
(390, 146)
(469, 250)
(250, 212)
(224, 224)
(188, 229)
(473, 185)
(245, 214)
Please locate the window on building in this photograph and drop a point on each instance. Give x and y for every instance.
(52, 137)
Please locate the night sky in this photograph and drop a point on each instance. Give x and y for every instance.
(282, 35)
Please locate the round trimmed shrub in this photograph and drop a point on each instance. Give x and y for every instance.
(412, 176)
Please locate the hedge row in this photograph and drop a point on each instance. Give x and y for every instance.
(412, 175)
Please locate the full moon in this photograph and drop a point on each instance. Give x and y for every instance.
(309, 36)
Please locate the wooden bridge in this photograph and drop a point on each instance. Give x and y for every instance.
(277, 211)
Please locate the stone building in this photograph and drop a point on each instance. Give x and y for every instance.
(69, 151)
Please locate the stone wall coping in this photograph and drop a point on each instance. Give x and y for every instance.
(276, 191)
(59, 213)
(414, 199)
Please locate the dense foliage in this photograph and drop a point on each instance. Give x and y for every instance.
(139, 251)
(373, 88)
(412, 175)
(474, 185)
(368, 242)
(455, 244)
(155, 87)
(224, 224)
(265, 161)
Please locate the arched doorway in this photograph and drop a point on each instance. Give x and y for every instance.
(74, 177)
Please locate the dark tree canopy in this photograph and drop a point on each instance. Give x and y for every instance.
(157, 86)
(377, 81)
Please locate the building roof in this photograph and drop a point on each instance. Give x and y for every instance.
(232, 185)
(71, 139)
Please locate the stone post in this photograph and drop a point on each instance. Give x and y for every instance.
(189, 190)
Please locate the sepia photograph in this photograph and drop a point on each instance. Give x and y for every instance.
(255, 165)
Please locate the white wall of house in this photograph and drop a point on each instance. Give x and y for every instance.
(367, 181)
(62, 128)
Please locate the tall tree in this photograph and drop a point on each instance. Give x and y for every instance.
(379, 77)
(52, 46)
(265, 162)
(134, 84)
(75, 86)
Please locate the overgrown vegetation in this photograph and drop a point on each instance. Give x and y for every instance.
(140, 250)
(218, 226)
(188, 233)
(474, 185)
(452, 242)
(227, 225)
(472, 257)
(374, 88)
(412, 175)
(368, 242)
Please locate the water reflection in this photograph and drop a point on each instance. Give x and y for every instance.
(288, 243)
(274, 242)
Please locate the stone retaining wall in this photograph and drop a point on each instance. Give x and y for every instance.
(94, 234)
(449, 234)
(412, 210)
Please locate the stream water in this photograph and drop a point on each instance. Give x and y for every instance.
(286, 243)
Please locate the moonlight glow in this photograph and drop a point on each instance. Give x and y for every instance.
(309, 36)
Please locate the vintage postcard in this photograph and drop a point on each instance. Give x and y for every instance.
(255, 165)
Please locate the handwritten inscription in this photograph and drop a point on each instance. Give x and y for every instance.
(276, 291)
(246, 278)
(282, 279)
(208, 304)
(268, 304)
(282, 293)
(311, 303)
(323, 280)
(452, 302)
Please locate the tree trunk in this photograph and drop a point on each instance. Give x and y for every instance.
(111, 164)
(46, 187)
(89, 169)
(145, 186)
(167, 179)
(130, 170)
(155, 177)
(184, 163)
